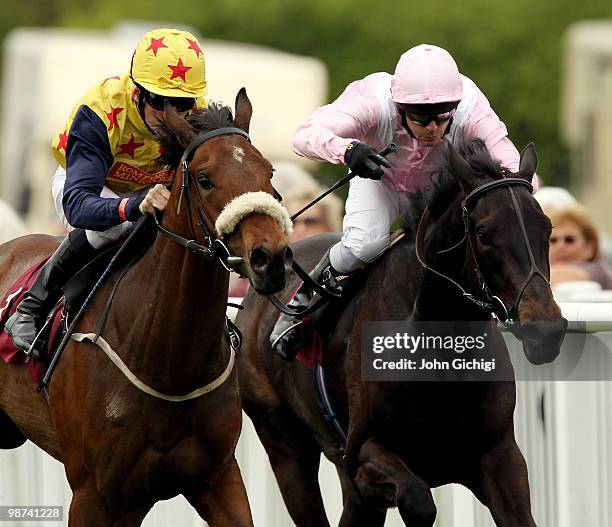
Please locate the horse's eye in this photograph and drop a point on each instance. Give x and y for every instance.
(205, 182)
(483, 236)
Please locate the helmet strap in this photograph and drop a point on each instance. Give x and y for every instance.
(448, 127)
(140, 105)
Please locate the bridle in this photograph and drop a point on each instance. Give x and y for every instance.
(215, 247)
(486, 300)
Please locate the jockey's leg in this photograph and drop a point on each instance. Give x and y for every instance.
(371, 208)
(72, 254)
(77, 249)
(286, 336)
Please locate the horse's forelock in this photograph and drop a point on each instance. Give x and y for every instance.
(445, 188)
(475, 152)
(438, 197)
(214, 116)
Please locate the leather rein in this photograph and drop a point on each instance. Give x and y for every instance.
(215, 247)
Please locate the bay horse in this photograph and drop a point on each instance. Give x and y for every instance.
(403, 438)
(124, 450)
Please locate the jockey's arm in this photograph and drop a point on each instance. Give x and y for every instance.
(88, 160)
(331, 128)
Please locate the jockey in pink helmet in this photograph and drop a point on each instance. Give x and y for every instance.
(425, 100)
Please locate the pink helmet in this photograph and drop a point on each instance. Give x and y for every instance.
(426, 74)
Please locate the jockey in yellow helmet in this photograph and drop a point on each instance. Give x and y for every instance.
(108, 174)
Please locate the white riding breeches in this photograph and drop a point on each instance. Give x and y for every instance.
(97, 239)
(371, 207)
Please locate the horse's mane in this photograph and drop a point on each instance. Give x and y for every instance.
(214, 116)
(445, 188)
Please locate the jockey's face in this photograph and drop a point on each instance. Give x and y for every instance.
(153, 117)
(429, 135)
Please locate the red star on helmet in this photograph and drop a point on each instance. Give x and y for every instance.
(112, 117)
(130, 147)
(179, 70)
(156, 43)
(194, 45)
(63, 141)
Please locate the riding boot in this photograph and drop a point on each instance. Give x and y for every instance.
(23, 325)
(288, 333)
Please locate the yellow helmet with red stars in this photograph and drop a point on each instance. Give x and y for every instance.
(170, 63)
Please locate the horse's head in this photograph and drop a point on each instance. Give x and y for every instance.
(222, 193)
(506, 237)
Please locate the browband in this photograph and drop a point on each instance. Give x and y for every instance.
(199, 139)
(506, 182)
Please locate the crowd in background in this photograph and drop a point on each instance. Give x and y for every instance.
(579, 254)
(298, 188)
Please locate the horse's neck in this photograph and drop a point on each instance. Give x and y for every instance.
(437, 298)
(181, 308)
(440, 300)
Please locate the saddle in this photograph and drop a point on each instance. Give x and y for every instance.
(76, 291)
(324, 311)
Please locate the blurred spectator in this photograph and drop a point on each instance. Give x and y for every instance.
(10, 225)
(551, 198)
(290, 178)
(575, 253)
(324, 216)
(298, 188)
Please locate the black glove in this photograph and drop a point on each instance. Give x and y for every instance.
(364, 160)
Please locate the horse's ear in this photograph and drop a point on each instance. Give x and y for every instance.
(181, 128)
(244, 111)
(461, 169)
(528, 163)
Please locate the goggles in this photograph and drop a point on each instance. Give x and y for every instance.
(423, 119)
(180, 104)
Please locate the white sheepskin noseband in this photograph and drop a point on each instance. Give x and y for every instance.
(252, 202)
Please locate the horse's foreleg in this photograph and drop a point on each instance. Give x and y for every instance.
(503, 485)
(10, 435)
(87, 508)
(224, 503)
(384, 481)
(355, 512)
(295, 457)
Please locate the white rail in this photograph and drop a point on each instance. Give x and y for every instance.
(564, 429)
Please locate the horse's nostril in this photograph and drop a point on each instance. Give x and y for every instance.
(544, 330)
(260, 258)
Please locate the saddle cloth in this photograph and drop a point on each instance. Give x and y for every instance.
(312, 348)
(8, 352)
(319, 324)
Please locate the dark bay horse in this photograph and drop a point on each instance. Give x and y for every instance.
(403, 438)
(123, 449)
